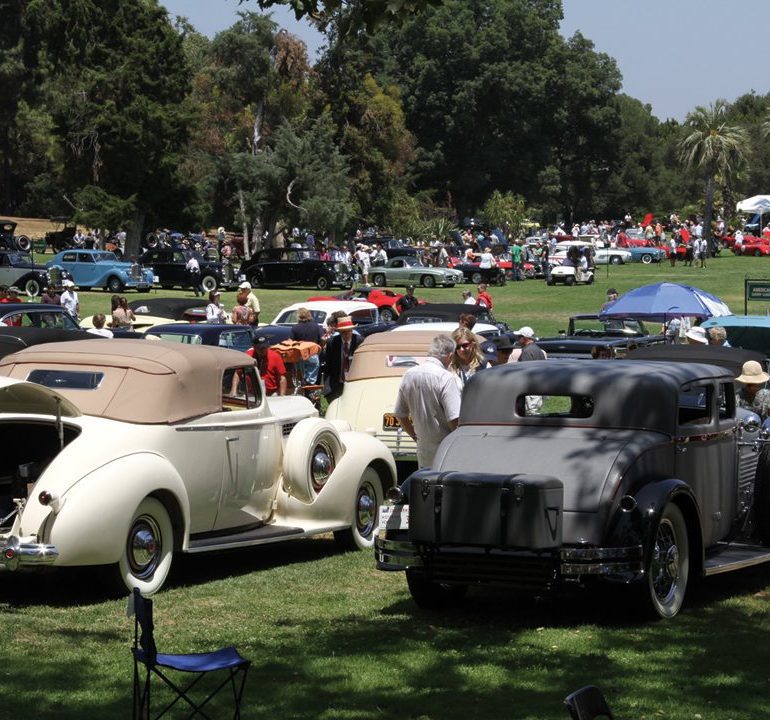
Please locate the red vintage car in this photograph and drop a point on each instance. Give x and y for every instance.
(383, 298)
(754, 246)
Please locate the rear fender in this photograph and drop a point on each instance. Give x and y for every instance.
(93, 517)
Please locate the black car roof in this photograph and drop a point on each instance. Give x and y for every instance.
(171, 308)
(13, 339)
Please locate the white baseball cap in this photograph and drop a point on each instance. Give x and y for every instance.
(245, 285)
(526, 332)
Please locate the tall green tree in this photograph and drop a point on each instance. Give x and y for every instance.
(712, 146)
(350, 16)
(299, 178)
(498, 100)
(118, 93)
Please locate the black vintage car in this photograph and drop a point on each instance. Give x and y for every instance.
(641, 472)
(63, 237)
(235, 337)
(19, 269)
(476, 275)
(394, 247)
(170, 267)
(288, 267)
(585, 332)
(9, 240)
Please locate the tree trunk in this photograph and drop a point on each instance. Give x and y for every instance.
(709, 212)
(242, 205)
(256, 235)
(133, 235)
(257, 136)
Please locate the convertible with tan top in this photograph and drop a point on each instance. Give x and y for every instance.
(123, 452)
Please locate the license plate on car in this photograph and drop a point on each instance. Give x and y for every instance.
(394, 517)
(390, 422)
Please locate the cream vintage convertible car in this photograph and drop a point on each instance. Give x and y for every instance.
(121, 452)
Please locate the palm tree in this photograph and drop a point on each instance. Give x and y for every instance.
(715, 147)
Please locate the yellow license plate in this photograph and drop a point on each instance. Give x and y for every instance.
(390, 422)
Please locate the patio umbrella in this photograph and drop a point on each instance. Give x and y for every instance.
(666, 300)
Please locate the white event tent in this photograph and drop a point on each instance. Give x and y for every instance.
(756, 204)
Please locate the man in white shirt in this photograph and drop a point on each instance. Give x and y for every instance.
(194, 269)
(69, 299)
(428, 402)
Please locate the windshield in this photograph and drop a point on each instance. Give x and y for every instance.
(597, 327)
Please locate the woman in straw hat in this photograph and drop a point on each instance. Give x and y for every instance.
(753, 394)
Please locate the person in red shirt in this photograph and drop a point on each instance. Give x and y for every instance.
(4, 294)
(270, 366)
(483, 298)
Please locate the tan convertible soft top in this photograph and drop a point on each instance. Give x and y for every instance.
(143, 381)
(370, 359)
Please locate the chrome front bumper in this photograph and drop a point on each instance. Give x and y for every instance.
(392, 554)
(15, 554)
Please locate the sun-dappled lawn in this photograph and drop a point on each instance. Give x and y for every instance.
(331, 637)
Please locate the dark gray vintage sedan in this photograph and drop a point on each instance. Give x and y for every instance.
(636, 471)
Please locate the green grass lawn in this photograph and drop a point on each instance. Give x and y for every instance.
(331, 637)
(531, 302)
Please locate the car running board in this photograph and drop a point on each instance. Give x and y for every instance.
(728, 557)
(244, 538)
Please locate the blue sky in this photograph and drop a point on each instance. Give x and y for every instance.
(673, 54)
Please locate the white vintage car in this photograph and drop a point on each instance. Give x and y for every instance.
(122, 452)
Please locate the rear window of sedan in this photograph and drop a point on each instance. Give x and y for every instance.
(555, 406)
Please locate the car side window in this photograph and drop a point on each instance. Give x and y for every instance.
(695, 406)
(241, 388)
(179, 258)
(726, 401)
(85, 258)
(69, 257)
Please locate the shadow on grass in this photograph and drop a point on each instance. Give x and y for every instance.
(67, 587)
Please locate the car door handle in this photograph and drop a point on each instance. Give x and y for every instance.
(232, 438)
(681, 449)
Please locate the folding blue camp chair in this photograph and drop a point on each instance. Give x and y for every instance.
(587, 703)
(227, 660)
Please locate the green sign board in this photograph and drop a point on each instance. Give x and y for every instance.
(758, 289)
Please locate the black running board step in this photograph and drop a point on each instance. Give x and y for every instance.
(255, 536)
(735, 557)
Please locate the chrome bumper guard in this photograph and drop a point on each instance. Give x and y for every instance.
(401, 554)
(15, 554)
(395, 554)
(601, 561)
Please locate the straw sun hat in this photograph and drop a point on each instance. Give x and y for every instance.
(752, 374)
